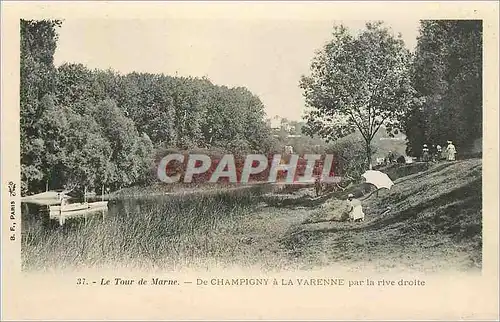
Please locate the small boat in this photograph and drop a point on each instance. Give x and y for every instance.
(41, 202)
(70, 207)
(53, 194)
(77, 210)
(47, 198)
(98, 204)
(79, 206)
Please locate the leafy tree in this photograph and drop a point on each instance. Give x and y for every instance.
(54, 122)
(147, 99)
(217, 126)
(87, 152)
(37, 79)
(358, 82)
(74, 82)
(124, 164)
(252, 127)
(447, 74)
(348, 156)
(83, 127)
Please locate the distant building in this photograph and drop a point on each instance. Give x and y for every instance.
(275, 123)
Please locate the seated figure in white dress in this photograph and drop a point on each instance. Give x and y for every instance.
(356, 211)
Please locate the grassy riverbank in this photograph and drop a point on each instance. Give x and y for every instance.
(434, 223)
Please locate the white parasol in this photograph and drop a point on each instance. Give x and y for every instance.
(378, 179)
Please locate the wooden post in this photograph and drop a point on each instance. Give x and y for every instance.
(102, 193)
(61, 218)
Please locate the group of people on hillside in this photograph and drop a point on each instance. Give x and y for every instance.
(437, 153)
(391, 158)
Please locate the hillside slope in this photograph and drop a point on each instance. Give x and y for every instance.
(434, 223)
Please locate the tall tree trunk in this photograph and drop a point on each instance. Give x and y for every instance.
(369, 154)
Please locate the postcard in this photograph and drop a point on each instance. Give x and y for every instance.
(249, 160)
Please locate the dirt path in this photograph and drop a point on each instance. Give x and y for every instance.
(258, 237)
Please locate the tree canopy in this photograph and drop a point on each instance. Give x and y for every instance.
(358, 83)
(83, 127)
(447, 74)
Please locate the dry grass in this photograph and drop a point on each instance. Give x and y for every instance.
(435, 222)
(166, 232)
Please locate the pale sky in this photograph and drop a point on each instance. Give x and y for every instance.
(268, 57)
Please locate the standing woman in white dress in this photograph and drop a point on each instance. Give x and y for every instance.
(450, 151)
